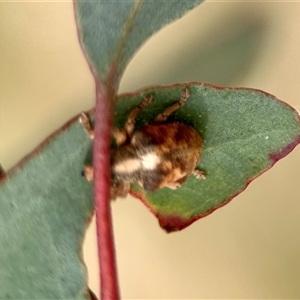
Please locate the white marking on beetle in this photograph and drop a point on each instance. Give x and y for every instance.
(150, 161)
(128, 166)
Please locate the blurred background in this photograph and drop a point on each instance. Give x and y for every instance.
(248, 249)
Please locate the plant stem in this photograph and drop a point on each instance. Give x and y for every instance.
(103, 126)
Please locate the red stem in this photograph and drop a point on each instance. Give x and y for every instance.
(103, 125)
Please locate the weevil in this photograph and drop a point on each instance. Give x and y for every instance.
(160, 154)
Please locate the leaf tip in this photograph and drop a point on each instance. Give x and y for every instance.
(173, 223)
(275, 156)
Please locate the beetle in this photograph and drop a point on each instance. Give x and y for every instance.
(160, 154)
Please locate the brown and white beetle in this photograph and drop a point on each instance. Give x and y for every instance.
(160, 154)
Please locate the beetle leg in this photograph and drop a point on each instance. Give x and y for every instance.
(175, 185)
(120, 190)
(88, 172)
(85, 121)
(119, 135)
(129, 126)
(199, 174)
(163, 116)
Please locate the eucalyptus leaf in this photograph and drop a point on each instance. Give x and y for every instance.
(45, 207)
(245, 132)
(112, 31)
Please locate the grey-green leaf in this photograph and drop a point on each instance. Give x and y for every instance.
(112, 31)
(245, 131)
(45, 206)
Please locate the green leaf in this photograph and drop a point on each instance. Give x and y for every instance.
(45, 207)
(245, 132)
(112, 31)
